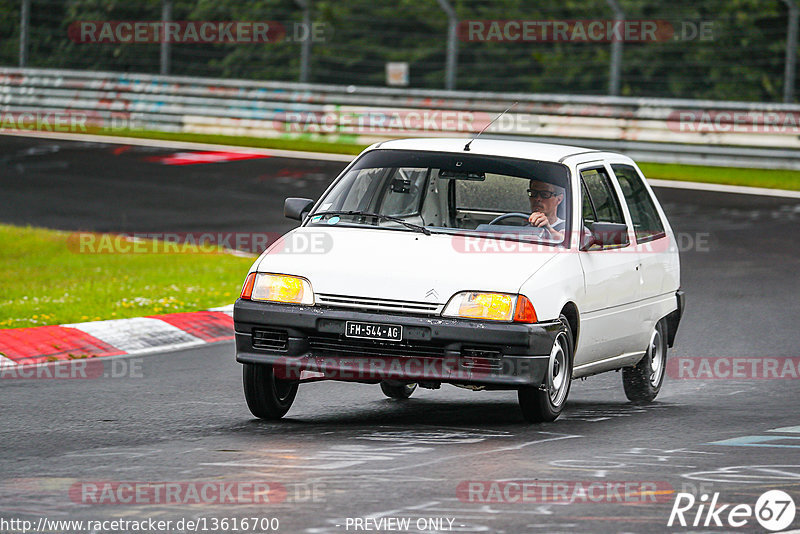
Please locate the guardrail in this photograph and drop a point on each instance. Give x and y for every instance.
(661, 130)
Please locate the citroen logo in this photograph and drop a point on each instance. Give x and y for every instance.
(432, 294)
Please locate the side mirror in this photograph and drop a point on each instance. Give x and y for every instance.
(605, 234)
(296, 208)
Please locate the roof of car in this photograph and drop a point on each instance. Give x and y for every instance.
(490, 147)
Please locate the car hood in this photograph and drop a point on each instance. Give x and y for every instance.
(402, 265)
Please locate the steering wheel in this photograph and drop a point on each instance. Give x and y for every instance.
(505, 216)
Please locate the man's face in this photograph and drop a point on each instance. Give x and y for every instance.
(547, 206)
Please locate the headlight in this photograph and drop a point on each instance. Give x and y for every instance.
(490, 306)
(278, 288)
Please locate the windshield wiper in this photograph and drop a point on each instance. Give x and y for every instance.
(405, 223)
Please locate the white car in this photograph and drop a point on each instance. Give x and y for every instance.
(486, 265)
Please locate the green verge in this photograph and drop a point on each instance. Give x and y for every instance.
(770, 178)
(48, 280)
(344, 144)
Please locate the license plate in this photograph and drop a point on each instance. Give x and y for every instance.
(385, 332)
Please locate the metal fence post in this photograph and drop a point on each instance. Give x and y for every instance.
(166, 16)
(616, 50)
(791, 52)
(24, 23)
(305, 46)
(452, 44)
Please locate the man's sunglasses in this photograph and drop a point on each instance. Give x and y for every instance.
(544, 195)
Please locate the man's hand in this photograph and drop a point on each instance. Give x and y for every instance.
(539, 219)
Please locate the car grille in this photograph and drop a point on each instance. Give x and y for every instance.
(334, 345)
(270, 339)
(384, 305)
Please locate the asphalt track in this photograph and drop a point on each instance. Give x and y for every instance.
(344, 451)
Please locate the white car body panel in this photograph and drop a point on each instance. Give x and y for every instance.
(403, 265)
(619, 294)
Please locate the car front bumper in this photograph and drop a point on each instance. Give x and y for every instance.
(297, 338)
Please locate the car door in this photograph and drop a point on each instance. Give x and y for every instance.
(609, 323)
(654, 243)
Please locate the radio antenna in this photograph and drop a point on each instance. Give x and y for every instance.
(466, 147)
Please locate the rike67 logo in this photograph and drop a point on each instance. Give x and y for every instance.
(774, 511)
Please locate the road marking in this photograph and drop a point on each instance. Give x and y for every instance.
(787, 430)
(492, 451)
(758, 441)
(331, 458)
(592, 415)
(602, 465)
(435, 436)
(749, 474)
(352, 455)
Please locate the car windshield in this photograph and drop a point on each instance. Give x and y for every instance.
(451, 193)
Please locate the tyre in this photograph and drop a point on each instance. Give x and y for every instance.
(540, 405)
(267, 397)
(397, 390)
(643, 382)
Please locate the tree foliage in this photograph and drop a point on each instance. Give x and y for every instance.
(743, 59)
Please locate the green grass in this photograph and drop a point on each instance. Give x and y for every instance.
(774, 179)
(47, 280)
(344, 144)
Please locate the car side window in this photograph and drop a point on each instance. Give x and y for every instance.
(601, 197)
(647, 224)
(600, 202)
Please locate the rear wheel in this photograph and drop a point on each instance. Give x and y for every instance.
(643, 382)
(544, 404)
(397, 390)
(267, 397)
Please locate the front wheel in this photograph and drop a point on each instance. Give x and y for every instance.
(544, 404)
(397, 390)
(643, 382)
(267, 397)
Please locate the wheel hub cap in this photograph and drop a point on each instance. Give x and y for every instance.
(557, 375)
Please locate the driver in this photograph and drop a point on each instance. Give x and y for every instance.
(545, 198)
